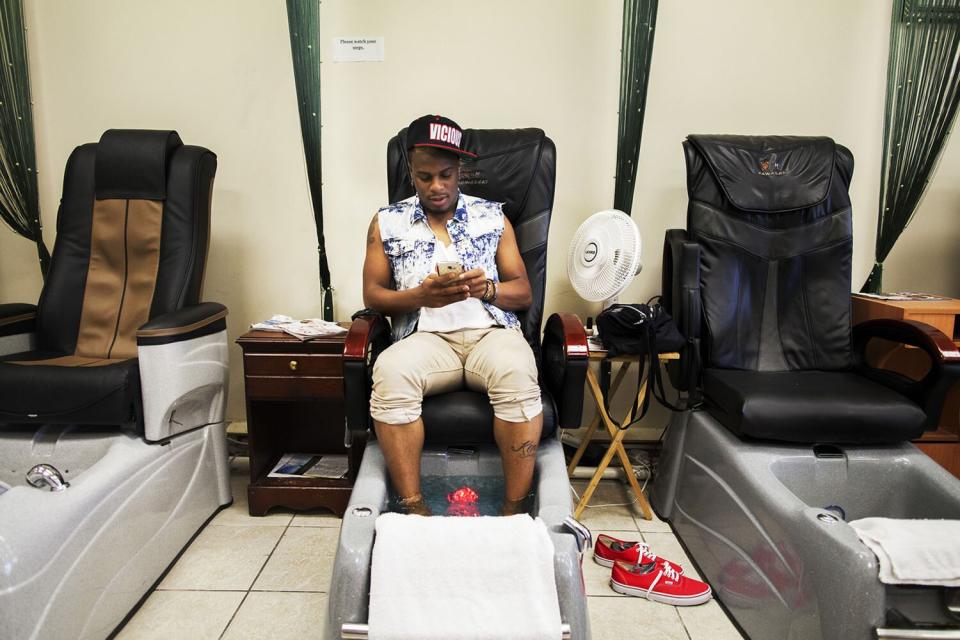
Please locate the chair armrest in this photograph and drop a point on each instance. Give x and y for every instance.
(17, 318)
(183, 359)
(184, 324)
(368, 336)
(938, 346)
(366, 329)
(564, 368)
(680, 296)
(930, 392)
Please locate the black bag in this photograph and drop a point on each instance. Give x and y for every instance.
(639, 329)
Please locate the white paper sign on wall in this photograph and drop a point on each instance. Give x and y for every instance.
(358, 49)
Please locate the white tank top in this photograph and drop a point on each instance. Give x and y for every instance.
(466, 314)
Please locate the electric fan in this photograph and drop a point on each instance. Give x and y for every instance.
(604, 256)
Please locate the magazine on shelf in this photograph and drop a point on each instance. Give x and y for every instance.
(310, 465)
(595, 344)
(303, 329)
(272, 324)
(903, 296)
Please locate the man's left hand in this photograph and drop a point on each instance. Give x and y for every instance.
(476, 279)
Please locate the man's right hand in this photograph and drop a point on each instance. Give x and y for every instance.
(439, 291)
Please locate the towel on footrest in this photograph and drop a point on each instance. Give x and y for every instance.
(462, 579)
(913, 551)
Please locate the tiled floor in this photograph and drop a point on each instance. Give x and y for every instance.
(268, 577)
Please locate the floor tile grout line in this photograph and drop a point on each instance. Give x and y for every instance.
(203, 590)
(233, 615)
(289, 591)
(270, 555)
(254, 581)
(683, 625)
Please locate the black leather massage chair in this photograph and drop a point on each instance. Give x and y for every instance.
(112, 392)
(789, 433)
(518, 168)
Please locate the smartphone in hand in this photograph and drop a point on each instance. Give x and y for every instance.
(449, 267)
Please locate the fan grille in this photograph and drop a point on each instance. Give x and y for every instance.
(604, 255)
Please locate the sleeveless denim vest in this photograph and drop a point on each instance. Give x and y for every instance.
(409, 243)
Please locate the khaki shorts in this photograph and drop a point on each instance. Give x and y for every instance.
(497, 361)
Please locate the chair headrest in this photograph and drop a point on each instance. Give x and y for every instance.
(769, 174)
(503, 171)
(132, 163)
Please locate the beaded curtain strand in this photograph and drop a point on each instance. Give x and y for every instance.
(639, 26)
(303, 18)
(923, 90)
(19, 196)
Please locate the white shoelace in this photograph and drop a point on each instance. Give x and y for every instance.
(645, 552)
(670, 573)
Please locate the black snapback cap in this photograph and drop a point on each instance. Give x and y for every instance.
(439, 132)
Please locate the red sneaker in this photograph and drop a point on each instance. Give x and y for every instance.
(658, 582)
(608, 550)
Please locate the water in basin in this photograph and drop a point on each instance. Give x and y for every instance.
(454, 495)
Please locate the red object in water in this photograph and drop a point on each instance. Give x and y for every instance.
(463, 494)
(463, 502)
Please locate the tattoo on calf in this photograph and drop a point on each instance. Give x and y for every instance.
(526, 449)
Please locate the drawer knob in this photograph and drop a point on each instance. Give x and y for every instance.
(293, 365)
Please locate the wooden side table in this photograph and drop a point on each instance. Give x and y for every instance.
(943, 445)
(617, 433)
(294, 393)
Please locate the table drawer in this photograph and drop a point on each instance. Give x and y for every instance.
(292, 364)
(305, 387)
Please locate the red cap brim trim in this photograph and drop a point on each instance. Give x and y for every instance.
(446, 148)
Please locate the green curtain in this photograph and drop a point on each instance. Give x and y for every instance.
(639, 24)
(303, 18)
(923, 90)
(19, 197)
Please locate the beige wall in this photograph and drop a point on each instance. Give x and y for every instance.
(219, 72)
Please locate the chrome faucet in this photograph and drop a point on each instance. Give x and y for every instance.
(46, 475)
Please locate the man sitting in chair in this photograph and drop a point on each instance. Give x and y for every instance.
(446, 267)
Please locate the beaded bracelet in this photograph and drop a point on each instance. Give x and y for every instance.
(489, 287)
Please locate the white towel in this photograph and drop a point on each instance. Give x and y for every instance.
(462, 579)
(913, 551)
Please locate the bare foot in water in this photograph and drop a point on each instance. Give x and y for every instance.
(414, 505)
(511, 507)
